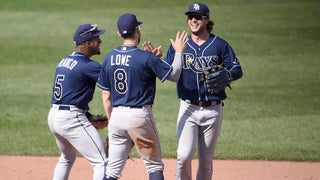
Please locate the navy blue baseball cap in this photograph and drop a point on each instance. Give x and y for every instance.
(198, 8)
(85, 32)
(127, 23)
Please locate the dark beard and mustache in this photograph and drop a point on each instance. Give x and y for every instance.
(200, 31)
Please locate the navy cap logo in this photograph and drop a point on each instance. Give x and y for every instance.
(196, 7)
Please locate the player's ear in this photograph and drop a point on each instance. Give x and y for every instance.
(138, 30)
(119, 34)
(87, 43)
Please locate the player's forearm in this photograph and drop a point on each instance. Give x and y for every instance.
(236, 72)
(106, 101)
(176, 68)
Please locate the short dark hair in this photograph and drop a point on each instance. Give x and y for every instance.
(128, 35)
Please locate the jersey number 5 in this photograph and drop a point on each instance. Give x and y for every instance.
(58, 86)
(120, 81)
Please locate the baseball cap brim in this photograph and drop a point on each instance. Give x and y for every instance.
(99, 32)
(193, 12)
(138, 23)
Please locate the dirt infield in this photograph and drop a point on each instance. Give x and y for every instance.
(34, 168)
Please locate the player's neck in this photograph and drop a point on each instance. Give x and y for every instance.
(130, 42)
(200, 38)
(81, 49)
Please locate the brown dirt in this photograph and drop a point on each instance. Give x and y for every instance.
(34, 168)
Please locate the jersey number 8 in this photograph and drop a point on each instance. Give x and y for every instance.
(120, 79)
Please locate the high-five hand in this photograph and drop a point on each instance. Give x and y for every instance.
(180, 43)
(147, 46)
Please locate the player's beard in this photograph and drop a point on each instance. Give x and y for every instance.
(199, 31)
(200, 28)
(97, 50)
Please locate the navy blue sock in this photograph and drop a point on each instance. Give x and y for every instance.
(158, 175)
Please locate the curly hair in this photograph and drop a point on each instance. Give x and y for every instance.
(210, 26)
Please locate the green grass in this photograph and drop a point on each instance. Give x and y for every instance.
(272, 113)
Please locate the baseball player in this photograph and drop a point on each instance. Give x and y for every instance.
(74, 84)
(128, 81)
(200, 114)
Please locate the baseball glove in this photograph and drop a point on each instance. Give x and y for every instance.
(98, 121)
(216, 79)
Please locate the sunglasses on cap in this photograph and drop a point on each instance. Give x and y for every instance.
(195, 16)
(94, 28)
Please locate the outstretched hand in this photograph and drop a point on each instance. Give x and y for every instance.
(180, 43)
(147, 46)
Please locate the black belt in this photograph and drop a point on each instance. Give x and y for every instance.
(70, 108)
(202, 103)
(66, 108)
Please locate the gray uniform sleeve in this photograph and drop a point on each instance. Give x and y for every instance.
(176, 68)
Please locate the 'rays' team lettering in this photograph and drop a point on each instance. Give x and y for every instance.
(197, 64)
(120, 59)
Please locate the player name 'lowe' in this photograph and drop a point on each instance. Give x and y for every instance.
(68, 63)
(121, 59)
